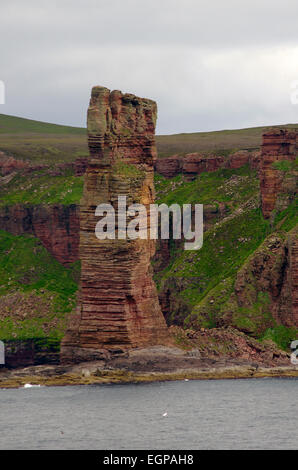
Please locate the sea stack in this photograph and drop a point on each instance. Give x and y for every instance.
(118, 307)
(279, 146)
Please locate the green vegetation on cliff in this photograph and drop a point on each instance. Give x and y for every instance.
(36, 292)
(281, 335)
(230, 186)
(287, 218)
(224, 251)
(42, 188)
(199, 286)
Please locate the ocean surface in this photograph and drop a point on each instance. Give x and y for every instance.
(201, 414)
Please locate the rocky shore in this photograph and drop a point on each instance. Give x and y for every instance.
(147, 365)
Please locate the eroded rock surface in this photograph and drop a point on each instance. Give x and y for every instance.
(118, 307)
(272, 269)
(57, 227)
(193, 164)
(279, 146)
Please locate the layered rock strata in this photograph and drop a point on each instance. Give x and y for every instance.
(170, 166)
(56, 226)
(193, 164)
(10, 165)
(293, 273)
(118, 307)
(279, 145)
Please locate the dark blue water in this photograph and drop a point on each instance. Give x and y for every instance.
(209, 414)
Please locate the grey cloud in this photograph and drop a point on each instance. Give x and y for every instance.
(209, 65)
(215, 23)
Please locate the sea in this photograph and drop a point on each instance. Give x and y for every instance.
(193, 414)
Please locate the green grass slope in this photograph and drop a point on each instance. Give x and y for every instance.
(228, 242)
(42, 188)
(36, 292)
(19, 125)
(198, 284)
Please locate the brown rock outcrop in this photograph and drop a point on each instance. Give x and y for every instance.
(238, 159)
(9, 164)
(118, 307)
(195, 164)
(170, 166)
(278, 145)
(57, 227)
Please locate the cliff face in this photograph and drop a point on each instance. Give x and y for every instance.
(279, 145)
(57, 226)
(193, 164)
(272, 269)
(10, 165)
(261, 294)
(24, 353)
(170, 166)
(118, 305)
(293, 273)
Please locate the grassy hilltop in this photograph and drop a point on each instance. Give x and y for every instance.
(41, 142)
(52, 143)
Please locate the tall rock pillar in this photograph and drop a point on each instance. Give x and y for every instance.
(118, 305)
(278, 145)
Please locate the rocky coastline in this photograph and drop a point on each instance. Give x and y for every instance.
(153, 364)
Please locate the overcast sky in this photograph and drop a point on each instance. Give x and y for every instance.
(210, 65)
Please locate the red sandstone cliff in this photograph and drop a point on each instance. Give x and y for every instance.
(169, 166)
(57, 227)
(278, 145)
(193, 164)
(10, 165)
